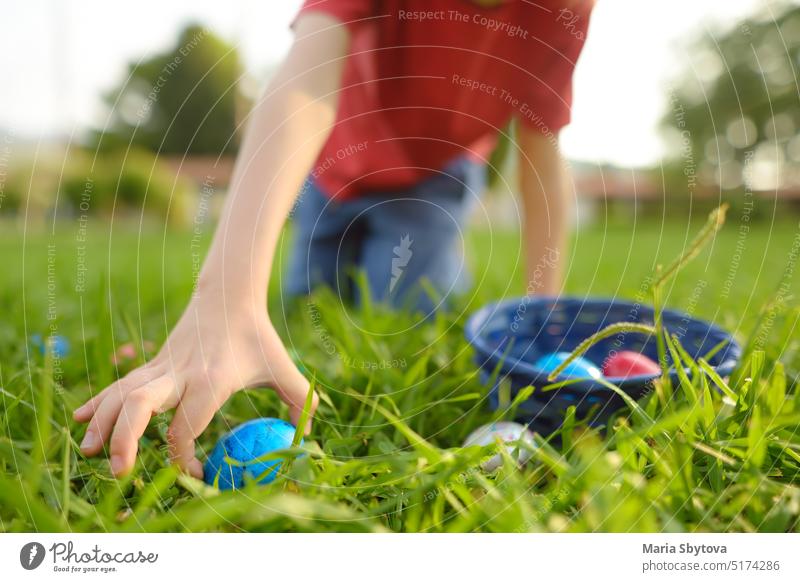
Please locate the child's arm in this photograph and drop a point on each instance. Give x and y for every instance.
(547, 203)
(224, 340)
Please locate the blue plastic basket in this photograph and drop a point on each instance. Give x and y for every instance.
(509, 336)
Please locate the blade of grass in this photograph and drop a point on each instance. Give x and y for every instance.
(716, 219)
(15, 494)
(66, 458)
(415, 440)
(153, 493)
(685, 382)
(718, 381)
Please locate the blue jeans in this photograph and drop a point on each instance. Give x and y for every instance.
(396, 238)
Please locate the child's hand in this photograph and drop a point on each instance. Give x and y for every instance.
(211, 353)
(220, 346)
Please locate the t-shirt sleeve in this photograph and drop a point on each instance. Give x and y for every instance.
(351, 13)
(550, 90)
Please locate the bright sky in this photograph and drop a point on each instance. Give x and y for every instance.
(59, 56)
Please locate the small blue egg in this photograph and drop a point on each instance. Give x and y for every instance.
(57, 345)
(577, 368)
(244, 444)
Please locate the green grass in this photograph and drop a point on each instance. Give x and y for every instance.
(384, 453)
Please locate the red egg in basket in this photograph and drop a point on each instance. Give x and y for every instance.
(629, 363)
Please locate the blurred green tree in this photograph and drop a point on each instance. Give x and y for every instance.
(185, 100)
(734, 116)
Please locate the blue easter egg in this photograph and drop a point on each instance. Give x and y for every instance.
(577, 368)
(244, 444)
(57, 345)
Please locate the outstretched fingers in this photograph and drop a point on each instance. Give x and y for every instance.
(135, 413)
(102, 411)
(133, 380)
(192, 416)
(101, 424)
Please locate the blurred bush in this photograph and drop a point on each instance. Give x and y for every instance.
(13, 194)
(30, 192)
(119, 184)
(127, 183)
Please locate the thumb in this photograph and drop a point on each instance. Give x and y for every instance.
(292, 387)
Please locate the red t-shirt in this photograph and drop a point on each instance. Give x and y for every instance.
(427, 81)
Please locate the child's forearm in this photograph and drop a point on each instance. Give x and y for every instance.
(547, 204)
(287, 129)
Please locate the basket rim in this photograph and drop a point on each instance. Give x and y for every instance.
(490, 355)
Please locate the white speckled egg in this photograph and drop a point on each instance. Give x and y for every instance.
(507, 432)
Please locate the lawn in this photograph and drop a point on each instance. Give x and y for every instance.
(384, 453)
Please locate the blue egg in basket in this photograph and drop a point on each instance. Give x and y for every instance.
(578, 368)
(236, 454)
(511, 337)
